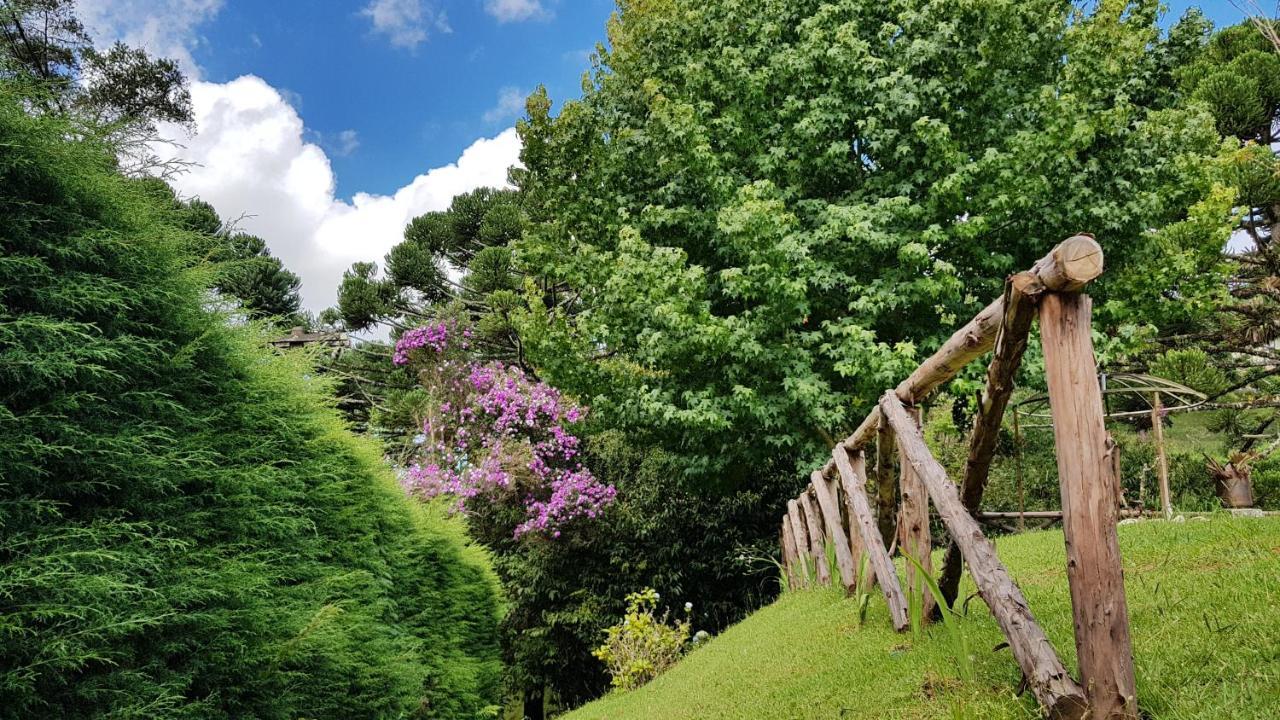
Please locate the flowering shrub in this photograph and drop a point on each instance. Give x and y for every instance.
(642, 646)
(490, 430)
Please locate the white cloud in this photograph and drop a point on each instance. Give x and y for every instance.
(509, 107)
(342, 144)
(516, 10)
(253, 161)
(165, 28)
(407, 23)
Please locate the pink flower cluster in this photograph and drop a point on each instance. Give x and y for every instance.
(493, 433)
(434, 336)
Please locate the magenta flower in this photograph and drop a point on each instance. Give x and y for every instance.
(492, 429)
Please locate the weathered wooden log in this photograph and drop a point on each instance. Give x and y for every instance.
(857, 547)
(1046, 675)
(1162, 460)
(1069, 266)
(817, 543)
(1089, 510)
(835, 533)
(913, 528)
(800, 539)
(790, 556)
(886, 483)
(1020, 296)
(852, 469)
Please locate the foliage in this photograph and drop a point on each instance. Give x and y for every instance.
(759, 215)
(703, 545)
(46, 51)
(1237, 78)
(470, 238)
(189, 531)
(491, 434)
(1201, 599)
(642, 646)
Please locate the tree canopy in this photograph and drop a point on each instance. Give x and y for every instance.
(760, 215)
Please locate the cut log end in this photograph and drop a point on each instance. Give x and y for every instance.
(1076, 261)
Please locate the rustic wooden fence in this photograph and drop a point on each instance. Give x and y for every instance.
(834, 510)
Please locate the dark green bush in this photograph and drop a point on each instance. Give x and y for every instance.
(186, 529)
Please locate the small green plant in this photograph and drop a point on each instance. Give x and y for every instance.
(643, 645)
(959, 645)
(864, 588)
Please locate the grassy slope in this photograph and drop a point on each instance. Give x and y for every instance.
(1204, 600)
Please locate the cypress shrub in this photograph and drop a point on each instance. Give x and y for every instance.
(186, 528)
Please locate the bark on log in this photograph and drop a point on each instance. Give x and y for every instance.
(857, 548)
(1069, 266)
(800, 539)
(1046, 675)
(852, 468)
(790, 556)
(913, 526)
(1020, 296)
(1089, 510)
(817, 543)
(835, 533)
(886, 483)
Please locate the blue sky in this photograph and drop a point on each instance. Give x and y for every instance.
(324, 126)
(413, 104)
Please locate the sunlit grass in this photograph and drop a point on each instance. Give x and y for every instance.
(1204, 601)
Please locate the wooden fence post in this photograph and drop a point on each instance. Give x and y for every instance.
(1020, 295)
(1044, 671)
(886, 484)
(1089, 511)
(789, 554)
(913, 528)
(817, 543)
(1162, 460)
(852, 469)
(836, 535)
(799, 540)
(857, 547)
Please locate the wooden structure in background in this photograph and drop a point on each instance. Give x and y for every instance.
(1049, 291)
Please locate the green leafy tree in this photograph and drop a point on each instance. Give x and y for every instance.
(1237, 78)
(122, 90)
(760, 215)
(188, 529)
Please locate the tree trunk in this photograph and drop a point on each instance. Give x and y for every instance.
(534, 705)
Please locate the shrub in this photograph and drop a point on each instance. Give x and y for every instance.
(643, 645)
(186, 528)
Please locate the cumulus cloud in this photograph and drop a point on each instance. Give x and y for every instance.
(165, 28)
(253, 162)
(407, 23)
(515, 10)
(510, 106)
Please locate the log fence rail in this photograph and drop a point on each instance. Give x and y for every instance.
(1049, 292)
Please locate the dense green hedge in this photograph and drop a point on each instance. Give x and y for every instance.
(186, 529)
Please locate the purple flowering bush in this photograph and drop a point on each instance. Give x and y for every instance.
(489, 432)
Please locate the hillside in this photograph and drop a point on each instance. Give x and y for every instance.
(1203, 599)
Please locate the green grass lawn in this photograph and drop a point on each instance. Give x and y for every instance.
(1204, 603)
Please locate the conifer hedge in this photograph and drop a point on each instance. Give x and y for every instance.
(186, 528)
